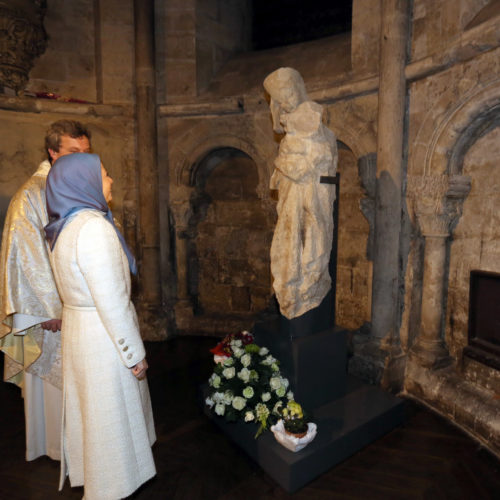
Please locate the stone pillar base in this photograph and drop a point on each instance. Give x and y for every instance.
(432, 355)
(377, 363)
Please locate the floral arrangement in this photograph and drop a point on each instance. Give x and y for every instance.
(246, 383)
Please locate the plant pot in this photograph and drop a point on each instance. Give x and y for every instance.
(296, 434)
(291, 441)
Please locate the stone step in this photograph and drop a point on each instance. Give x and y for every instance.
(345, 426)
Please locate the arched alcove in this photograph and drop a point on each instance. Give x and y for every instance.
(228, 237)
(476, 239)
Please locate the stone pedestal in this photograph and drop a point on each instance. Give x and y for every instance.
(315, 365)
(345, 425)
(349, 414)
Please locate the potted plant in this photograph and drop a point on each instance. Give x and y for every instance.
(294, 420)
(293, 430)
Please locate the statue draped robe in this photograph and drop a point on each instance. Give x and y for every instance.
(302, 241)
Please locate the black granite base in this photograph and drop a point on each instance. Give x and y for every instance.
(345, 425)
(315, 365)
(348, 413)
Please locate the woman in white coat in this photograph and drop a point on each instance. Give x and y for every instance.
(107, 418)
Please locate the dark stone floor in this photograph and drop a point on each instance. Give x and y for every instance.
(426, 458)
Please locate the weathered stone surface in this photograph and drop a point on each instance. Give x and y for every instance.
(435, 25)
(302, 241)
(22, 39)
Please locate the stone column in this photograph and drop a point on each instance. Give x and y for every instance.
(390, 172)
(22, 39)
(437, 203)
(183, 307)
(148, 237)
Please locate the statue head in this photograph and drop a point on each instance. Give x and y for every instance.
(287, 90)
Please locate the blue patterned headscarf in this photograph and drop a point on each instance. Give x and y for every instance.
(74, 183)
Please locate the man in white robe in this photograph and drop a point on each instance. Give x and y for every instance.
(30, 308)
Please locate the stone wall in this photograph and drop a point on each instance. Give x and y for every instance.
(222, 29)
(89, 57)
(102, 68)
(22, 147)
(452, 136)
(194, 38)
(436, 24)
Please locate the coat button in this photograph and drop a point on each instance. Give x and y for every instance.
(121, 341)
(125, 348)
(129, 356)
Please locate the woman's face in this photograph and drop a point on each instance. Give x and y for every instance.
(107, 182)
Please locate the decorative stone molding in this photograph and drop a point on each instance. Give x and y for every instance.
(22, 39)
(437, 202)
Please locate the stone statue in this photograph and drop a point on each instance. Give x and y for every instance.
(302, 241)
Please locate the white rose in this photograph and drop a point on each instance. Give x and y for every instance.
(266, 396)
(238, 352)
(228, 362)
(236, 343)
(289, 395)
(249, 416)
(246, 359)
(244, 374)
(285, 383)
(269, 360)
(220, 409)
(229, 372)
(239, 403)
(214, 380)
(209, 402)
(263, 351)
(248, 392)
(275, 383)
(218, 397)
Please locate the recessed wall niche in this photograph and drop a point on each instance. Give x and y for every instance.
(229, 238)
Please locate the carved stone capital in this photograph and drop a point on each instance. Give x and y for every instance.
(437, 202)
(22, 39)
(181, 212)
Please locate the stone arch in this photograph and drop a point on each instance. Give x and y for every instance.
(439, 150)
(186, 166)
(438, 189)
(216, 233)
(358, 137)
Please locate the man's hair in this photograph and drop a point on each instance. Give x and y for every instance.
(71, 128)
